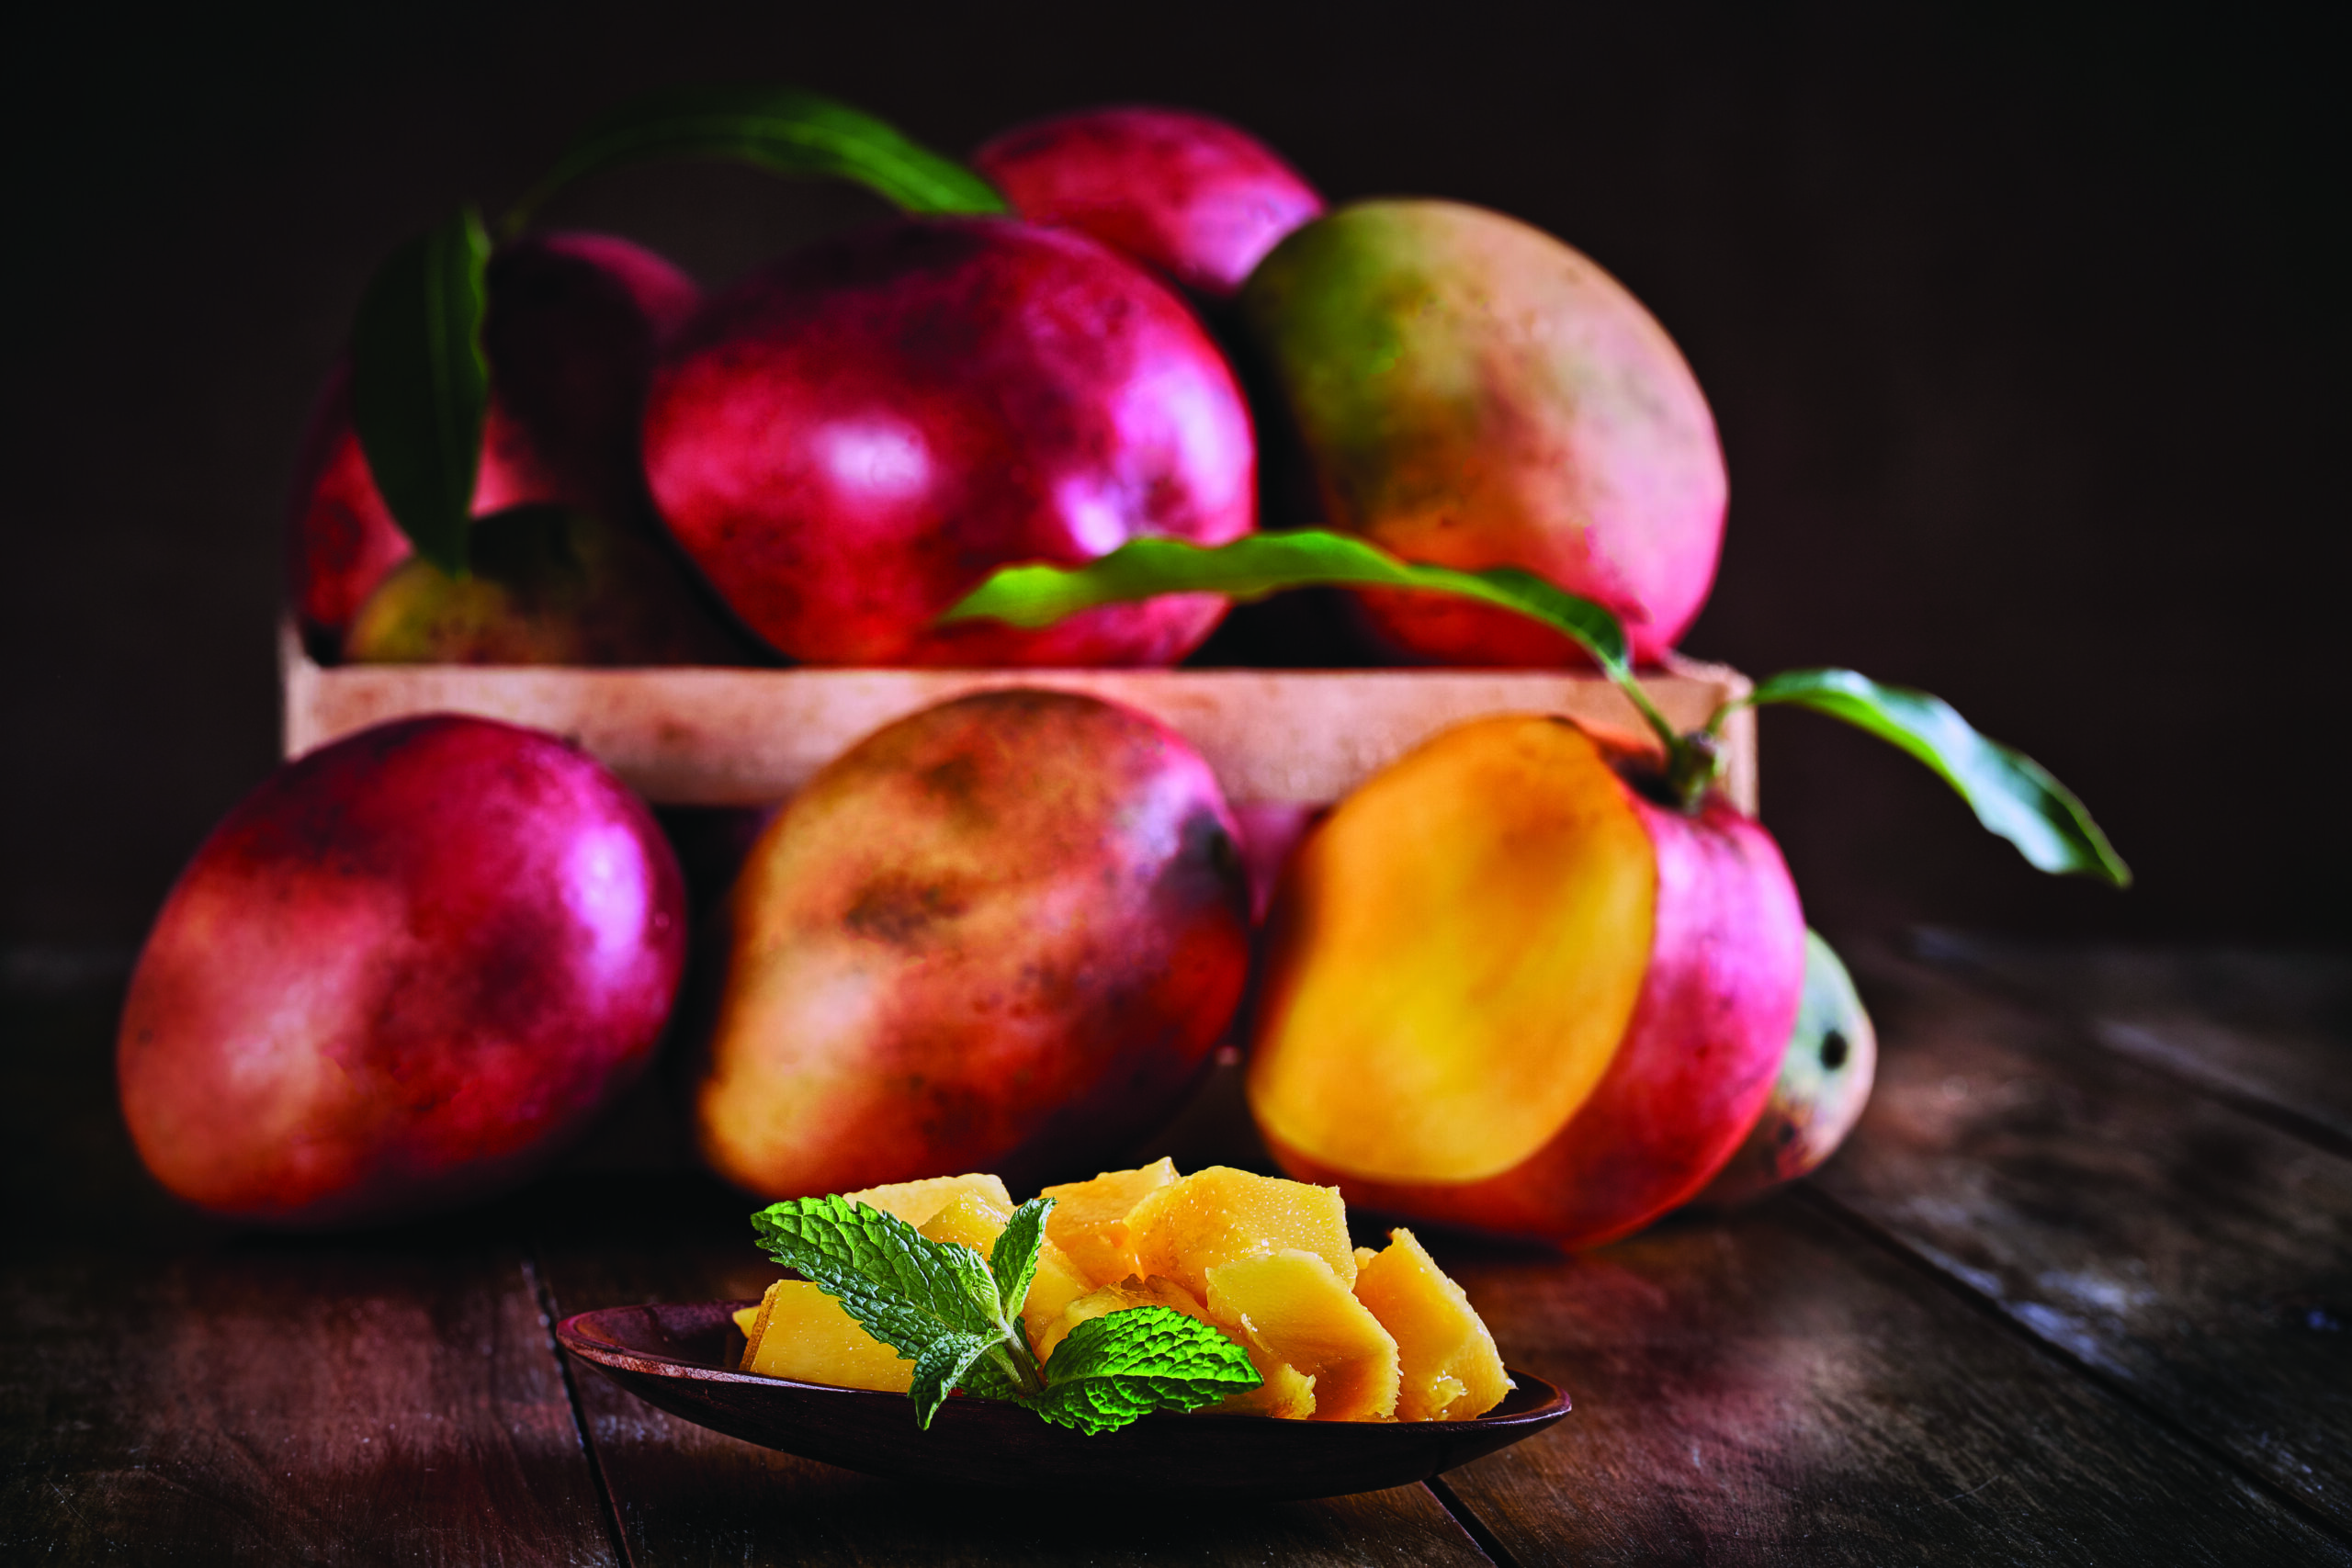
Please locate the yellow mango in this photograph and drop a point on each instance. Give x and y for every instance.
(804, 1335)
(1451, 1370)
(1089, 1220)
(1293, 1305)
(915, 1201)
(1222, 1216)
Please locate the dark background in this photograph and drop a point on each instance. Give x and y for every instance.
(2023, 330)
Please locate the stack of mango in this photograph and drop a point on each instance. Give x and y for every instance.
(1336, 1332)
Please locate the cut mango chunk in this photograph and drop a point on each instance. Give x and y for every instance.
(1222, 1216)
(1294, 1307)
(804, 1335)
(915, 1201)
(1451, 1369)
(1090, 1219)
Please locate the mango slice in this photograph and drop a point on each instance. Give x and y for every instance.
(1222, 1216)
(1293, 1305)
(915, 1201)
(804, 1335)
(1090, 1219)
(1451, 1369)
(1455, 956)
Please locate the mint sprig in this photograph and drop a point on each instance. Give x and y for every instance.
(956, 1316)
(1112, 1368)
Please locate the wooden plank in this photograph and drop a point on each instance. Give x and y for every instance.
(686, 1495)
(2272, 1029)
(172, 1391)
(706, 736)
(1771, 1389)
(2194, 1254)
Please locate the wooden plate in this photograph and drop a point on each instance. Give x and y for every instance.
(678, 1358)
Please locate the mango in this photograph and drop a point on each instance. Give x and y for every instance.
(1222, 1216)
(803, 1334)
(1293, 1306)
(1449, 1366)
(1471, 393)
(1088, 1221)
(1506, 989)
(1001, 933)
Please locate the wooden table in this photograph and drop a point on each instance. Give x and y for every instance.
(2079, 1291)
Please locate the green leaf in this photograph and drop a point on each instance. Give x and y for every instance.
(1259, 564)
(1113, 1369)
(1013, 1259)
(939, 1368)
(2013, 796)
(419, 386)
(779, 129)
(905, 1288)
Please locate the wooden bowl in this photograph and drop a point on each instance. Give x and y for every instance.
(679, 1359)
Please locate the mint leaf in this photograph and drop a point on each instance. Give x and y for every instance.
(1013, 1259)
(902, 1287)
(1113, 1369)
(940, 1367)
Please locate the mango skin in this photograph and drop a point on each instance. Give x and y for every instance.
(1471, 393)
(851, 440)
(1695, 1061)
(1189, 195)
(1000, 934)
(545, 584)
(399, 974)
(1824, 1083)
(571, 325)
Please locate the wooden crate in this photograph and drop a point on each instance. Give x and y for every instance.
(738, 736)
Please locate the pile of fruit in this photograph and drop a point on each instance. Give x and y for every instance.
(1532, 979)
(1331, 1331)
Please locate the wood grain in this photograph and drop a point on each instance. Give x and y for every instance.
(709, 737)
(1762, 1390)
(171, 1390)
(2195, 1255)
(2273, 1029)
(686, 1495)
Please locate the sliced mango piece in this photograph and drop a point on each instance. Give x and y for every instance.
(1451, 1369)
(1450, 1043)
(915, 1201)
(1089, 1220)
(804, 1335)
(1293, 1305)
(1223, 1216)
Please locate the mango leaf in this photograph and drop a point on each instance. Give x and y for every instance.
(2012, 794)
(419, 386)
(1260, 564)
(783, 129)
